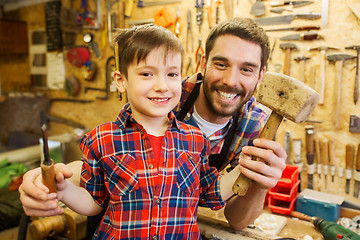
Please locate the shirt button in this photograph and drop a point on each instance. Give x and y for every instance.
(190, 157)
(151, 166)
(158, 201)
(155, 237)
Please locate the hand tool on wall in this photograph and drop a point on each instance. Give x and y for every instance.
(309, 142)
(286, 19)
(141, 3)
(324, 149)
(229, 8)
(303, 28)
(287, 146)
(318, 161)
(129, 5)
(217, 18)
(341, 58)
(294, 4)
(89, 39)
(349, 158)
(322, 50)
(332, 158)
(209, 13)
(47, 165)
(354, 125)
(296, 149)
(286, 97)
(302, 36)
(357, 173)
(177, 23)
(258, 8)
(330, 230)
(302, 59)
(324, 12)
(356, 86)
(189, 32)
(198, 54)
(199, 13)
(288, 47)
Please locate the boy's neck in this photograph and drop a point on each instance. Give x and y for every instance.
(153, 126)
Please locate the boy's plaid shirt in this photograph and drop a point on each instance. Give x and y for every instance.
(117, 173)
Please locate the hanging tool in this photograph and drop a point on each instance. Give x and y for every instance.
(294, 4)
(288, 47)
(296, 149)
(332, 158)
(141, 3)
(330, 230)
(349, 157)
(302, 36)
(258, 8)
(309, 141)
(287, 141)
(356, 86)
(318, 157)
(47, 165)
(286, 97)
(324, 149)
(217, 18)
(89, 39)
(354, 125)
(189, 33)
(302, 59)
(209, 13)
(177, 23)
(341, 58)
(287, 19)
(357, 173)
(303, 28)
(324, 12)
(323, 49)
(198, 54)
(229, 8)
(199, 13)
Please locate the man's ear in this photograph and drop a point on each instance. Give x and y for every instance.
(261, 76)
(203, 64)
(119, 81)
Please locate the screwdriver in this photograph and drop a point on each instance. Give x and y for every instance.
(47, 166)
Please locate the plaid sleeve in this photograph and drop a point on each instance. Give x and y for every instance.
(92, 175)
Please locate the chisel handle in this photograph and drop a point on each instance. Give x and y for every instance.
(324, 152)
(48, 176)
(358, 158)
(332, 154)
(309, 140)
(349, 155)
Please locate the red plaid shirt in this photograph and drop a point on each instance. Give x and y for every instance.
(118, 174)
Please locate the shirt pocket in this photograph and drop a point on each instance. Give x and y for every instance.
(121, 175)
(188, 177)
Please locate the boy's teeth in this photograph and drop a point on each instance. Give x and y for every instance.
(160, 99)
(228, 96)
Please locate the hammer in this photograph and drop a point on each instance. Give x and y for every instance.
(286, 97)
(322, 50)
(302, 59)
(341, 57)
(356, 87)
(287, 47)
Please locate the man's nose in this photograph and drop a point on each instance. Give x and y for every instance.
(232, 77)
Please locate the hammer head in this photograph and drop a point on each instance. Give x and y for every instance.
(288, 46)
(339, 57)
(287, 96)
(355, 47)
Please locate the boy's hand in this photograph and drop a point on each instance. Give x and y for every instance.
(266, 172)
(35, 196)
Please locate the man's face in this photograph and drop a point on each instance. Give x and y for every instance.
(231, 74)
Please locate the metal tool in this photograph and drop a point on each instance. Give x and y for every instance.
(198, 54)
(357, 173)
(309, 141)
(189, 32)
(356, 86)
(288, 47)
(209, 13)
(324, 12)
(324, 151)
(217, 18)
(47, 165)
(349, 157)
(199, 13)
(294, 4)
(258, 8)
(302, 36)
(287, 145)
(286, 19)
(322, 50)
(177, 23)
(354, 125)
(341, 58)
(303, 28)
(141, 3)
(302, 59)
(296, 149)
(89, 39)
(330, 230)
(332, 158)
(318, 157)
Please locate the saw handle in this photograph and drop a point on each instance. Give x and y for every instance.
(242, 183)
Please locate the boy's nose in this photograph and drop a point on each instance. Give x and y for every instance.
(160, 84)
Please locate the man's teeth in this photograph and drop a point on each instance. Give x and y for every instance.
(160, 99)
(228, 96)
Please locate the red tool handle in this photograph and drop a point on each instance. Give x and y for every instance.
(311, 36)
(306, 28)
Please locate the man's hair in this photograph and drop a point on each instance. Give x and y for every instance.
(244, 28)
(137, 42)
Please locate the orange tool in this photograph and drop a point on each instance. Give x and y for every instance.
(47, 166)
(198, 54)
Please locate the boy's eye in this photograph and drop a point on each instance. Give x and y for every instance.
(173, 74)
(146, 74)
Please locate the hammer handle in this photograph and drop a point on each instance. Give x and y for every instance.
(48, 176)
(242, 183)
(287, 61)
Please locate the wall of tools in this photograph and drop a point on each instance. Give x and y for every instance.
(315, 41)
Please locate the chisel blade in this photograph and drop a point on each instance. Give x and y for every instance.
(356, 189)
(347, 186)
(310, 181)
(286, 19)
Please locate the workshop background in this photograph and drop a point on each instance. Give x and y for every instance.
(56, 62)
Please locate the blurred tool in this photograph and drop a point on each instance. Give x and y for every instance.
(218, 2)
(177, 23)
(47, 165)
(354, 125)
(296, 149)
(258, 8)
(357, 173)
(229, 7)
(89, 39)
(302, 36)
(309, 141)
(141, 3)
(199, 13)
(287, 141)
(129, 5)
(330, 230)
(349, 155)
(318, 162)
(356, 86)
(332, 158)
(287, 19)
(304, 28)
(324, 149)
(189, 33)
(294, 4)
(302, 59)
(287, 47)
(324, 12)
(209, 13)
(198, 54)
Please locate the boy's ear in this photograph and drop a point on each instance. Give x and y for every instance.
(119, 81)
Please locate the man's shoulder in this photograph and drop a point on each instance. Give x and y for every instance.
(256, 109)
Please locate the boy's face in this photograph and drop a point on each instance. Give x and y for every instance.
(153, 86)
(231, 74)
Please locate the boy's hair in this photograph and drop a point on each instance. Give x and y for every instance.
(244, 28)
(137, 42)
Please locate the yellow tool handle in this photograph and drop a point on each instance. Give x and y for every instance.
(324, 152)
(349, 155)
(317, 151)
(358, 158)
(129, 5)
(332, 153)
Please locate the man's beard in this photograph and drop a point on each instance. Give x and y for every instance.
(219, 108)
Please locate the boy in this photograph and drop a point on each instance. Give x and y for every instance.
(149, 170)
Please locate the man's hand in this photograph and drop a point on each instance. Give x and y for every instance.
(35, 196)
(271, 157)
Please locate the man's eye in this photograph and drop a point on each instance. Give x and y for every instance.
(220, 65)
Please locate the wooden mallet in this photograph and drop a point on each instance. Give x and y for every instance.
(286, 97)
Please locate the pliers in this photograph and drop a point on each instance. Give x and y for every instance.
(198, 54)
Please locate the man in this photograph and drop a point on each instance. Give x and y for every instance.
(233, 65)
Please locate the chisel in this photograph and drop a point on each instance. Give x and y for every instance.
(141, 3)
(357, 173)
(296, 149)
(303, 28)
(349, 155)
(47, 166)
(325, 158)
(317, 157)
(309, 140)
(332, 158)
